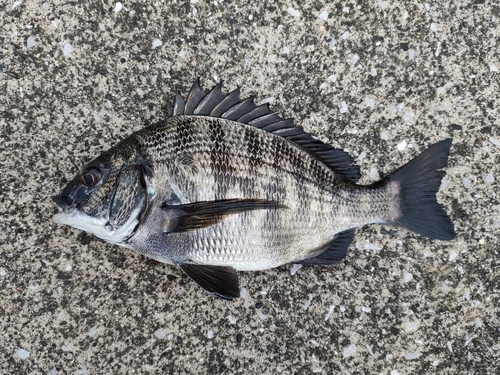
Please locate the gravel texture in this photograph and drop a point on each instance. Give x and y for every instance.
(383, 80)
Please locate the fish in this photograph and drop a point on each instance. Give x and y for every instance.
(225, 185)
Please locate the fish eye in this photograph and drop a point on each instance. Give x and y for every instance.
(90, 177)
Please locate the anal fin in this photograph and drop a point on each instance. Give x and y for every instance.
(333, 253)
(220, 281)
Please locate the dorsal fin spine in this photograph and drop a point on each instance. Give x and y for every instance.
(178, 105)
(231, 99)
(209, 101)
(239, 109)
(261, 110)
(195, 95)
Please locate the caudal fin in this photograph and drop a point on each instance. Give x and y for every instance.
(419, 181)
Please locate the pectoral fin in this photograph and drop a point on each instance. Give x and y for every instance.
(333, 253)
(218, 280)
(192, 216)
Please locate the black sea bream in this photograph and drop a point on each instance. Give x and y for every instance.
(224, 185)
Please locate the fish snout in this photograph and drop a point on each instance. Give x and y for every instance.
(64, 201)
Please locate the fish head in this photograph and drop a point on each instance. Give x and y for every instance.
(107, 197)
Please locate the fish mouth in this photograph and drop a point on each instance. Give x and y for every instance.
(72, 215)
(65, 202)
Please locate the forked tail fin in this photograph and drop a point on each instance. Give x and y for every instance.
(419, 181)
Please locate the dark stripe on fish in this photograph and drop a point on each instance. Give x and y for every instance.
(219, 159)
(278, 157)
(253, 148)
(301, 165)
(185, 135)
(275, 189)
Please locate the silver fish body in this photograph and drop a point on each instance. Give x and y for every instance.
(225, 185)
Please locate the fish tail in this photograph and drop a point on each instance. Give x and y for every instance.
(418, 183)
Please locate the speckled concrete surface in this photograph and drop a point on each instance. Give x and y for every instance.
(383, 81)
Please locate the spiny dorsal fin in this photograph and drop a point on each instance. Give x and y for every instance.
(232, 107)
(178, 105)
(195, 96)
(210, 101)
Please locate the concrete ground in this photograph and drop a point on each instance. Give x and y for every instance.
(382, 81)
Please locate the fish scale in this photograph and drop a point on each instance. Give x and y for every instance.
(225, 185)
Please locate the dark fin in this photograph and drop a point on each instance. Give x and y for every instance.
(178, 105)
(226, 103)
(195, 96)
(239, 109)
(259, 111)
(281, 125)
(218, 280)
(334, 253)
(289, 132)
(208, 103)
(232, 107)
(419, 181)
(199, 215)
(266, 120)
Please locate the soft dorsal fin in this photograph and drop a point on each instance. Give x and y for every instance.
(232, 107)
